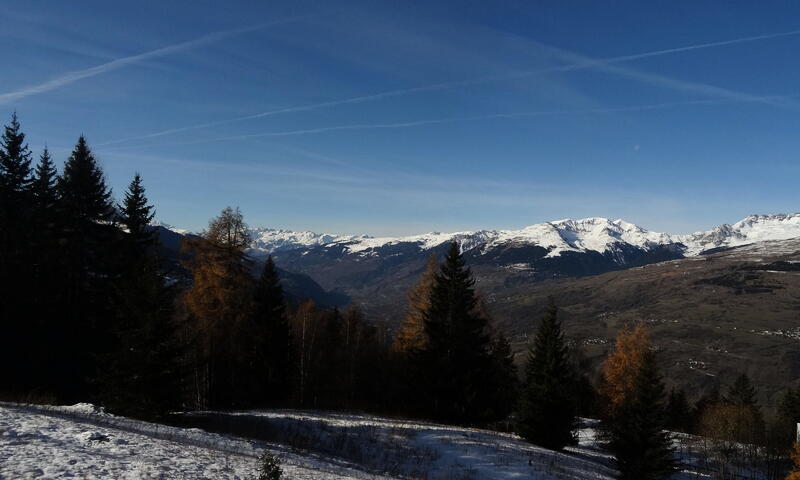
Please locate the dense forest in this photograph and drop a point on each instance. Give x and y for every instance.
(89, 313)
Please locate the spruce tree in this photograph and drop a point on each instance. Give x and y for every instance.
(16, 253)
(85, 198)
(503, 379)
(137, 214)
(273, 337)
(15, 165)
(456, 357)
(45, 193)
(140, 370)
(547, 412)
(679, 413)
(742, 392)
(44, 221)
(88, 268)
(641, 446)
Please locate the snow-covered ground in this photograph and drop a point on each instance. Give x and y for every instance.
(82, 441)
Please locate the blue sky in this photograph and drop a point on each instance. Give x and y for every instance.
(394, 118)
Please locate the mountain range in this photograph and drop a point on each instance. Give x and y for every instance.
(719, 302)
(568, 235)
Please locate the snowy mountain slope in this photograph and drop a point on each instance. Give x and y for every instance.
(594, 234)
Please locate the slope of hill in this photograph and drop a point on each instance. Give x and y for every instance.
(712, 317)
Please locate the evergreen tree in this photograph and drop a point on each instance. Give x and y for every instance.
(789, 407)
(742, 392)
(45, 193)
(642, 448)
(547, 413)
(137, 214)
(456, 356)
(679, 413)
(504, 381)
(15, 254)
(89, 266)
(140, 371)
(273, 336)
(85, 198)
(44, 221)
(15, 166)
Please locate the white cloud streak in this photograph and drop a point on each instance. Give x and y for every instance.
(510, 115)
(72, 77)
(575, 62)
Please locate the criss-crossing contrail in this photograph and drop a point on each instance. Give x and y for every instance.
(72, 77)
(577, 62)
(510, 115)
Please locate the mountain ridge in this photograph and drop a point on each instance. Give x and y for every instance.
(597, 234)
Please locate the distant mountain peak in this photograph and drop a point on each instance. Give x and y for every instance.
(596, 234)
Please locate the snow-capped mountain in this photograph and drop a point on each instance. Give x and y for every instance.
(589, 234)
(755, 228)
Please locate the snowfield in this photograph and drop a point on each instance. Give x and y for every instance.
(82, 441)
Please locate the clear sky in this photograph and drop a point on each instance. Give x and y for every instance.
(404, 117)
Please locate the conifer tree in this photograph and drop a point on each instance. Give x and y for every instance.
(219, 311)
(15, 165)
(641, 446)
(89, 267)
(679, 414)
(273, 337)
(504, 379)
(457, 352)
(742, 392)
(15, 253)
(620, 368)
(137, 214)
(43, 265)
(547, 413)
(85, 198)
(411, 334)
(140, 371)
(43, 188)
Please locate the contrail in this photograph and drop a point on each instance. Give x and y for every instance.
(416, 123)
(577, 63)
(72, 77)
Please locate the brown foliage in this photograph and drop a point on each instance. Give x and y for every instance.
(217, 307)
(795, 455)
(622, 365)
(411, 334)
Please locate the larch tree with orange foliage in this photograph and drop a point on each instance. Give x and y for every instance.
(411, 334)
(218, 311)
(622, 365)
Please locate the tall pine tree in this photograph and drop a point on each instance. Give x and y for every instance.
(15, 255)
(641, 446)
(140, 372)
(137, 214)
(273, 337)
(456, 357)
(88, 269)
(547, 412)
